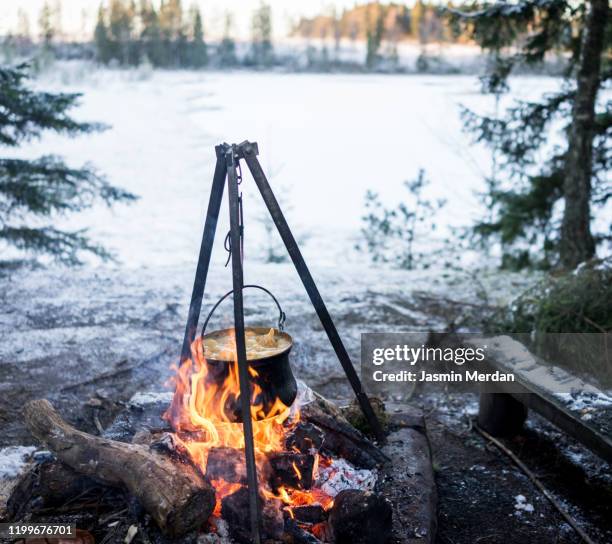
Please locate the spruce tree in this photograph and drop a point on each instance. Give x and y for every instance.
(121, 22)
(151, 35)
(101, 39)
(374, 36)
(226, 51)
(32, 190)
(45, 23)
(199, 52)
(262, 50)
(525, 193)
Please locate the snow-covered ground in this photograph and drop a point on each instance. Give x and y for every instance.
(324, 140)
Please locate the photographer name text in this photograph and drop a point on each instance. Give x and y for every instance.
(411, 356)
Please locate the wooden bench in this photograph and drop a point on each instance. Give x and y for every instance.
(582, 411)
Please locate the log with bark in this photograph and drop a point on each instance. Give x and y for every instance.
(339, 436)
(174, 493)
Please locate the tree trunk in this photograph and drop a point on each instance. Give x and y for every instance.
(577, 243)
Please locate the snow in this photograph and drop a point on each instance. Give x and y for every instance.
(522, 505)
(324, 140)
(13, 459)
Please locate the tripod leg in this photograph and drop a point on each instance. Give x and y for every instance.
(312, 290)
(212, 215)
(243, 370)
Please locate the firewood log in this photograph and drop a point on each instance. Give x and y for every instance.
(291, 469)
(226, 464)
(339, 436)
(361, 517)
(305, 438)
(309, 513)
(174, 493)
(297, 535)
(235, 511)
(51, 481)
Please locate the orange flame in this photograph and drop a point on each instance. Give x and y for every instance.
(202, 409)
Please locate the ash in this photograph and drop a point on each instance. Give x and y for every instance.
(341, 475)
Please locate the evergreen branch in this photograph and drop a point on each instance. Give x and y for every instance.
(521, 132)
(523, 11)
(25, 114)
(47, 185)
(64, 246)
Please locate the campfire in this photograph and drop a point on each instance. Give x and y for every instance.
(298, 480)
(317, 474)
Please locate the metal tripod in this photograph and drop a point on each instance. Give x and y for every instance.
(228, 160)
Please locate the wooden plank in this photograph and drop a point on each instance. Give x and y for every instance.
(552, 408)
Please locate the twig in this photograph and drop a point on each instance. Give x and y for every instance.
(97, 423)
(570, 520)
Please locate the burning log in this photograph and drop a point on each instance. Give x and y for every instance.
(291, 469)
(297, 535)
(340, 437)
(235, 511)
(176, 496)
(305, 438)
(360, 517)
(226, 464)
(309, 513)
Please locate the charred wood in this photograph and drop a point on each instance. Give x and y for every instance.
(291, 469)
(305, 438)
(309, 513)
(235, 511)
(296, 535)
(340, 437)
(226, 464)
(360, 517)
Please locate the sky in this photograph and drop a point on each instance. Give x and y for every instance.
(78, 16)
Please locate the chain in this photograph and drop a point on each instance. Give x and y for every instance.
(227, 243)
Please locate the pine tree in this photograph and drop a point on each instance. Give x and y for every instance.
(45, 23)
(151, 35)
(262, 50)
(374, 36)
(101, 39)
(525, 201)
(121, 22)
(227, 47)
(31, 190)
(173, 33)
(199, 51)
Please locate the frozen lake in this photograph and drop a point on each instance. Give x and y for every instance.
(324, 140)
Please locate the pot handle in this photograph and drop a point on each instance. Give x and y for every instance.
(281, 314)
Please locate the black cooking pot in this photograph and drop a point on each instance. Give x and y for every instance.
(274, 374)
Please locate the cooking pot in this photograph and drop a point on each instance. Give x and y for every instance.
(273, 372)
